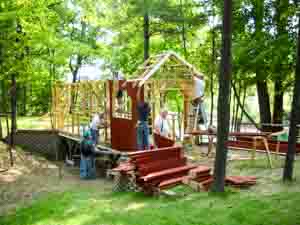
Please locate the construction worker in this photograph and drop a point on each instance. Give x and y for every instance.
(87, 160)
(120, 102)
(198, 99)
(97, 121)
(161, 125)
(143, 110)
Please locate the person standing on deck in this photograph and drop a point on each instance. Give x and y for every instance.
(143, 110)
(120, 102)
(87, 160)
(161, 124)
(198, 98)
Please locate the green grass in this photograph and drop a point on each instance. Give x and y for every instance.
(86, 207)
(29, 122)
(33, 122)
(261, 163)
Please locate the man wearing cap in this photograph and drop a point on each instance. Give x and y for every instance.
(87, 160)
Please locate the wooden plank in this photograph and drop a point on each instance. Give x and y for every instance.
(167, 172)
(154, 70)
(160, 165)
(171, 182)
(149, 152)
(232, 134)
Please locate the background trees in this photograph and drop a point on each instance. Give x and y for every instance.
(59, 37)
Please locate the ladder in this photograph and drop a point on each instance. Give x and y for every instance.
(193, 118)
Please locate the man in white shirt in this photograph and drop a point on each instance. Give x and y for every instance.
(161, 125)
(97, 120)
(198, 98)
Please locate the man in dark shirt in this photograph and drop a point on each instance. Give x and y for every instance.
(87, 160)
(143, 110)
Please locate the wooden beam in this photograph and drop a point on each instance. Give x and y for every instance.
(154, 70)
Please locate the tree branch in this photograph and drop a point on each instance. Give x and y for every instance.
(242, 107)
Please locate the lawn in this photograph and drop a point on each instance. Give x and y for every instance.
(88, 207)
(33, 193)
(29, 122)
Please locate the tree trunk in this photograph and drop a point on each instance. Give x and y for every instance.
(281, 20)
(146, 36)
(236, 111)
(261, 84)
(264, 102)
(278, 102)
(241, 105)
(30, 99)
(24, 100)
(3, 96)
(1, 128)
(13, 116)
(223, 100)
(294, 120)
(233, 112)
(183, 30)
(213, 57)
(79, 57)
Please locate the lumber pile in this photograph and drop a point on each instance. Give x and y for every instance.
(158, 169)
(155, 170)
(205, 182)
(198, 177)
(240, 181)
(201, 173)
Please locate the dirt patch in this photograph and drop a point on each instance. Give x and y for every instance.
(33, 176)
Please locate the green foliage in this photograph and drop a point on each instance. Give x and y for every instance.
(166, 21)
(57, 38)
(39, 40)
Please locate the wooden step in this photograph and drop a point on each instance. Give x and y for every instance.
(199, 171)
(160, 165)
(154, 175)
(171, 182)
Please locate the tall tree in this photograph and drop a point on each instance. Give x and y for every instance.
(76, 59)
(223, 100)
(261, 76)
(146, 35)
(281, 22)
(213, 60)
(13, 93)
(183, 28)
(294, 119)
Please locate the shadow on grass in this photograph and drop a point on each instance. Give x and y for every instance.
(258, 164)
(84, 207)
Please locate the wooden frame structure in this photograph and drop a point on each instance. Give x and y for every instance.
(74, 104)
(163, 73)
(157, 76)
